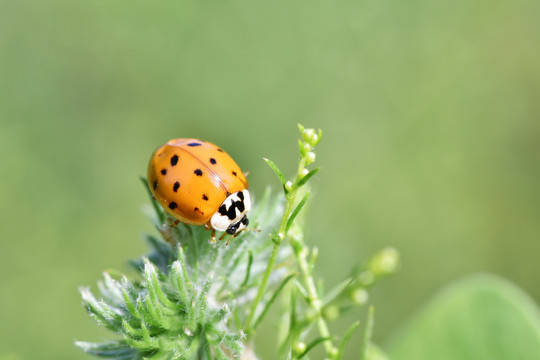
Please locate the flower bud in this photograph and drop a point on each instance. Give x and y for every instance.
(359, 296)
(288, 185)
(333, 352)
(310, 157)
(307, 135)
(299, 347)
(385, 262)
(331, 312)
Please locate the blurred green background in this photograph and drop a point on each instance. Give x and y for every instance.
(430, 112)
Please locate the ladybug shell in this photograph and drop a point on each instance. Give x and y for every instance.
(191, 178)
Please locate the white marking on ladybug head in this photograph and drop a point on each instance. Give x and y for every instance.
(232, 214)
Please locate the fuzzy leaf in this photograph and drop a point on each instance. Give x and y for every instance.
(118, 350)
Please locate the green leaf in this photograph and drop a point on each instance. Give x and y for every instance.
(319, 135)
(302, 292)
(312, 344)
(272, 299)
(248, 270)
(277, 171)
(368, 332)
(346, 338)
(336, 291)
(296, 211)
(115, 349)
(479, 317)
(308, 176)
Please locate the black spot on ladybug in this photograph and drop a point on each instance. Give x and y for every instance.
(223, 210)
(194, 144)
(198, 172)
(213, 161)
(155, 184)
(199, 211)
(174, 160)
(205, 198)
(241, 195)
(218, 149)
(172, 205)
(234, 173)
(240, 205)
(231, 213)
(163, 171)
(176, 186)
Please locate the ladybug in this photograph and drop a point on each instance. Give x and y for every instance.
(198, 183)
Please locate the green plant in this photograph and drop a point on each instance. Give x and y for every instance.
(197, 299)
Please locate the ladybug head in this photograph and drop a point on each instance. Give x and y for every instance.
(239, 226)
(231, 216)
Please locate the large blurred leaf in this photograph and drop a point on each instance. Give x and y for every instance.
(479, 317)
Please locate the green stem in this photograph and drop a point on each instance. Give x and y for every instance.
(315, 302)
(290, 196)
(269, 267)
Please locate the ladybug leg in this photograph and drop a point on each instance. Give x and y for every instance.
(246, 173)
(213, 235)
(172, 223)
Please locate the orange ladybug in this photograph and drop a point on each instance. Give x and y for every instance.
(198, 183)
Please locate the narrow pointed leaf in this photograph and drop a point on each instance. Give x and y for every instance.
(272, 299)
(336, 291)
(346, 338)
(368, 333)
(302, 291)
(113, 349)
(308, 176)
(312, 344)
(296, 211)
(276, 170)
(248, 270)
